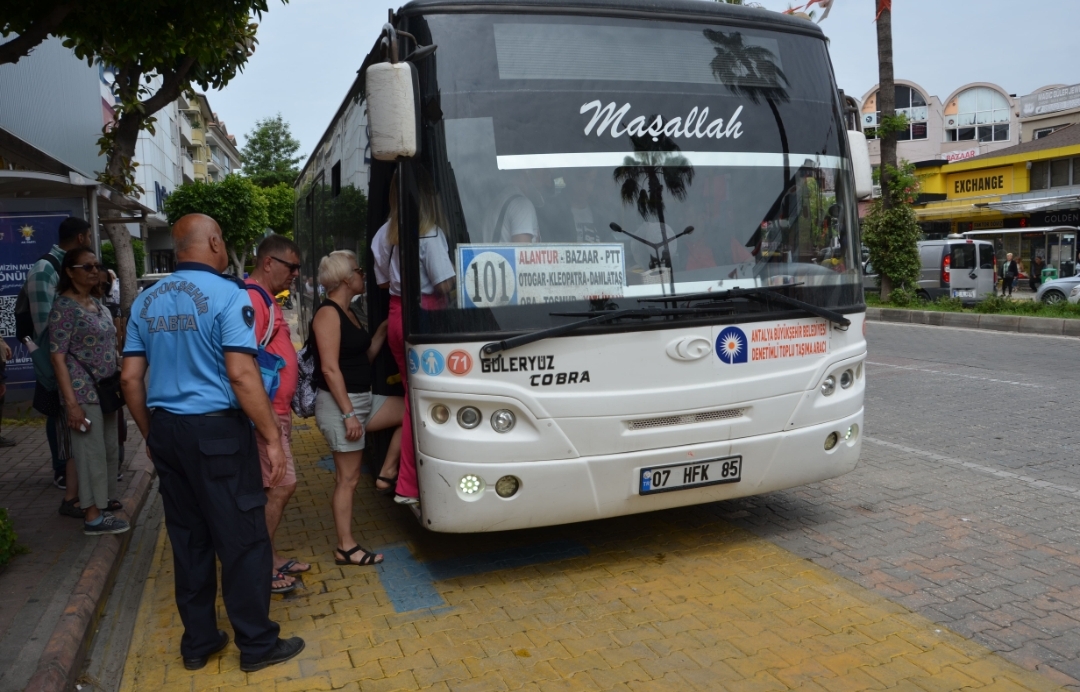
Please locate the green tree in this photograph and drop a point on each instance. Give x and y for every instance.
(281, 202)
(891, 232)
(269, 154)
(158, 49)
(138, 250)
(239, 207)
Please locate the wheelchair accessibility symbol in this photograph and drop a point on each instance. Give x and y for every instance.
(413, 362)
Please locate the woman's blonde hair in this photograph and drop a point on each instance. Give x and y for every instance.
(336, 268)
(431, 210)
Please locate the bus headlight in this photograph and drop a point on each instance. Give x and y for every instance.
(847, 378)
(852, 433)
(469, 417)
(503, 421)
(507, 486)
(827, 387)
(440, 414)
(470, 484)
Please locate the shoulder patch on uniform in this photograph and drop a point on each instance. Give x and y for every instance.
(249, 316)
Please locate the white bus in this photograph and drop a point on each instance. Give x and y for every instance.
(650, 208)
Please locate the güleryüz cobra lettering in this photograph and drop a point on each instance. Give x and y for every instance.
(693, 127)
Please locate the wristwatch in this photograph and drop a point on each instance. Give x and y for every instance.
(350, 414)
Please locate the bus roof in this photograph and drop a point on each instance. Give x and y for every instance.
(676, 10)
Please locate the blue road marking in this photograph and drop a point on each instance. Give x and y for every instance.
(411, 583)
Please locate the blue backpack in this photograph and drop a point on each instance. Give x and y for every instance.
(270, 365)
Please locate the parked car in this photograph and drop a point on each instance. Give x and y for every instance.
(870, 281)
(957, 267)
(1058, 290)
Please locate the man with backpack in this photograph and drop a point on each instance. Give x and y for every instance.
(277, 264)
(32, 320)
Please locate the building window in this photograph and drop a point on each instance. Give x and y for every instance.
(1039, 134)
(335, 179)
(1056, 173)
(980, 114)
(909, 102)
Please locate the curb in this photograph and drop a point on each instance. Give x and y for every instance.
(1053, 326)
(65, 653)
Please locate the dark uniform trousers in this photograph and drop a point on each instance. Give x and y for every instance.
(211, 485)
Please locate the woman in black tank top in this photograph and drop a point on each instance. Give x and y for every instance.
(344, 405)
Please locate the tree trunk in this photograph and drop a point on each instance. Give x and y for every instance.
(886, 95)
(238, 261)
(886, 288)
(118, 234)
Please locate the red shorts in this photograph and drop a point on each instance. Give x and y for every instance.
(285, 425)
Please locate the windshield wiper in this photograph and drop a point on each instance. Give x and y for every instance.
(634, 313)
(759, 293)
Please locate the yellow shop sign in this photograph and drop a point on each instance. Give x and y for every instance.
(990, 181)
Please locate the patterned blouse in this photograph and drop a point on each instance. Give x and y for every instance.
(89, 337)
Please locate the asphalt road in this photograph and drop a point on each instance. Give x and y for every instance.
(966, 504)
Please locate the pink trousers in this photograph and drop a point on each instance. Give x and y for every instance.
(406, 483)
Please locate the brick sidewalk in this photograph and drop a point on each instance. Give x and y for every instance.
(35, 587)
(670, 600)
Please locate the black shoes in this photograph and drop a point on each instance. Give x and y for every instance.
(200, 662)
(283, 650)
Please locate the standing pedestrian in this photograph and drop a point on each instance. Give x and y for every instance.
(5, 356)
(41, 283)
(1035, 277)
(1010, 271)
(277, 264)
(194, 332)
(345, 408)
(82, 345)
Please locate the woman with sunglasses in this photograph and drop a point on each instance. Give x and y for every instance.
(82, 344)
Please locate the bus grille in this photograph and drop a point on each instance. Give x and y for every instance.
(703, 417)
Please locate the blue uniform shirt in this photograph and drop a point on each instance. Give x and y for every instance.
(183, 325)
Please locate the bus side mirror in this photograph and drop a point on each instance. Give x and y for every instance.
(393, 110)
(860, 164)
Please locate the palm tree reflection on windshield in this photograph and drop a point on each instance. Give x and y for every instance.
(642, 178)
(753, 72)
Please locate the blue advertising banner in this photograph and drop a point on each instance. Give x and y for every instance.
(24, 238)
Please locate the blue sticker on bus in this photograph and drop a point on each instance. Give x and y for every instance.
(414, 362)
(732, 347)
(432, 362)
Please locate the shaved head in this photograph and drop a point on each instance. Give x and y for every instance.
(197, 238)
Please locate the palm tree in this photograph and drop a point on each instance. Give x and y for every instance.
(643, 177)
(752, 72)
(886, 96)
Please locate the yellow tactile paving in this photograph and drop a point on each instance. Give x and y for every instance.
(668, 601)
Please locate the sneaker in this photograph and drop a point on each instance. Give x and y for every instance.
(402, 500)
(120, 477)
(283, 650)
(109, 524)
(59, 481)
(7, 442)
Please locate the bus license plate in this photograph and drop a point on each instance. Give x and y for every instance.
(696, 474)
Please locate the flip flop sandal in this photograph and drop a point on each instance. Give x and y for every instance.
(287, 568)
(281, 576)
(388, 490)
(369, 557)
(114, 506)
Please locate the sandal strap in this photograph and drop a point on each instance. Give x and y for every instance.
(367, 559)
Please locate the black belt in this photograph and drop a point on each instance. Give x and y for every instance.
(227, 413)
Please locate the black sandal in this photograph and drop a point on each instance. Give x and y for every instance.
(68, 509)
(114, 506)
(389, 490)
(369, 558)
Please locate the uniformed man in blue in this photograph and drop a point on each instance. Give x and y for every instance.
(194, 332)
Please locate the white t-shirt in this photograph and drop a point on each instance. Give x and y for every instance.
(585, 225)
(435, 263)
(519, 219)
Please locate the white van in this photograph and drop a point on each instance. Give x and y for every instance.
(957, 267)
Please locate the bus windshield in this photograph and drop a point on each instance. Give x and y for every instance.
(585, 163)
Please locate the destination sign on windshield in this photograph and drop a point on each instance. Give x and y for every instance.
(497, 275)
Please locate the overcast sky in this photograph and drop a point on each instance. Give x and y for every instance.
(309, 51)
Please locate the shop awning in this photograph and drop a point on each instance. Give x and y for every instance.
(963, 210)
(1029, 205)
(1039, 229)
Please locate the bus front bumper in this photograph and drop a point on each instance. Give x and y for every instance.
(598, 487)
